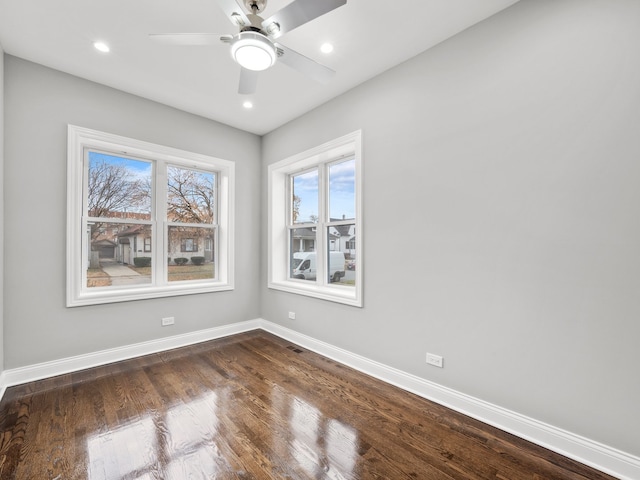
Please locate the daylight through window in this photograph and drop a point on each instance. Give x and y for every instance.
(145, 220)
(314, 220)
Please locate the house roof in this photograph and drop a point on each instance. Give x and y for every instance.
(308, 233)
(103, 243)
(135, 230)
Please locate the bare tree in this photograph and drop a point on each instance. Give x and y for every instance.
(190, 196)
(112, 193)
(296, 207)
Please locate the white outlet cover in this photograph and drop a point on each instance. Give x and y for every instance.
(435, 360)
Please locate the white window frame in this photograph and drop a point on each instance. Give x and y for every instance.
(279, 206)
(80, 140)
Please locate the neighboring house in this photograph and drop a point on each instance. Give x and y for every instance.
(304, 239)
(124, 243)
(343, 240)
(133, 242)
(105, 237)
(191, 242)
(106, 248)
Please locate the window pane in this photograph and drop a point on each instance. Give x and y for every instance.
(190, 195)
(118, 187)
(341, 240)
(304, 199)
(342, 188)
(116, 254)
(190, 254)
(302, 263)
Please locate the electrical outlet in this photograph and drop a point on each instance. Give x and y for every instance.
(292, 315)
(435, 360)
(168, 321)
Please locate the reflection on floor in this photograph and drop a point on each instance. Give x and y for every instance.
(251, 406)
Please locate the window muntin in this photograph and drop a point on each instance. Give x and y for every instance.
(315, 253)
(123, 213)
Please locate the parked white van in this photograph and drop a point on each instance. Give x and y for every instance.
(304, 266)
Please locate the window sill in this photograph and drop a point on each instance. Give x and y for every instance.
(332, 293)
(98, 297)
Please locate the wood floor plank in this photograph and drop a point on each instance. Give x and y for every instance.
(250, 406)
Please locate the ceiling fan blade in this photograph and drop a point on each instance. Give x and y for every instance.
(303, 64)
(298, 13)
(248, 81)
(234, 12)
(187, 38)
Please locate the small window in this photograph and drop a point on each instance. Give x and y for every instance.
(315, 209)
(139, 215)
(188, 245)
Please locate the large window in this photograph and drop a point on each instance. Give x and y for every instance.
(315, 211)
(145, 220)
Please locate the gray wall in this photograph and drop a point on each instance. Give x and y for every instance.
(502, 215)
(39, 103)
(1, 209)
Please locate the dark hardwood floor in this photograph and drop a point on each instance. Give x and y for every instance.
(251, 406)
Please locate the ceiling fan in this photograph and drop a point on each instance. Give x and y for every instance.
(253, 47)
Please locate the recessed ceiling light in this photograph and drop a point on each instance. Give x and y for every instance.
(326, 48)
(248, 105)
(101, 47)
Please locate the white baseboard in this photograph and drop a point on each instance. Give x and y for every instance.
(17, 376)
(586, 451)
(601, 457)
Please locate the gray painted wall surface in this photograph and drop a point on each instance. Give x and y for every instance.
(39, 104)
(502, 215)
(1, 209)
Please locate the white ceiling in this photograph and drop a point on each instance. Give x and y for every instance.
(370, 36)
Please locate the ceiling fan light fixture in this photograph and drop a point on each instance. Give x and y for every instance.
(253, 51)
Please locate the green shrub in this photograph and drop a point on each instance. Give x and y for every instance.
(142, 261)
(197, 260)
(180, 261)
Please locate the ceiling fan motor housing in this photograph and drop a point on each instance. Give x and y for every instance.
(256, 24)
(255, 6)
